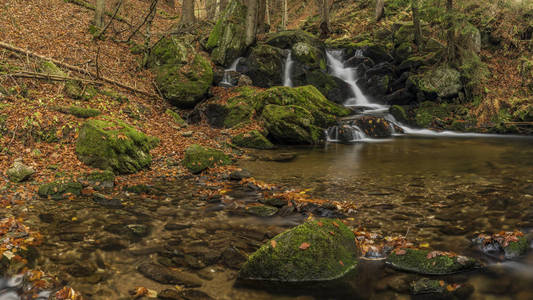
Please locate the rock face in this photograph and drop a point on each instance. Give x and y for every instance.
(314, 251)
(443, 82)
(265, 65)
(227, 39)
(430, 262)
(287, 39)
(182, 74)
(198, 158)
(252, 139)
(115, 146)
(19, 171)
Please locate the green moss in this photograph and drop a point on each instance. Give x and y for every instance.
(80, 112)
(76, 90)
(416, 261)
(286, 39)
(198, 158)
(114, 145)
(398, 112)
(309, 56)
(262, 210)
(100, 176)
(59, 189)
(48, 67)
(139, 189)
(170, 51)
(515, 249)
(291, 124)
(252, 139)
(214, 37)
(176, 117)
(331, 254)
(265, 64)
(443, 81)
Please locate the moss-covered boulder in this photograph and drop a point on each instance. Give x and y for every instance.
(115, 146)
(439, 289)
(60, 189)
(75, 89)
(19, 171)
(443, 81)
(429, 262)
(469, 37)
(198, 158)
(288, 38)
(321, 250)
(252, 139)
(176, 118)
(80, 112)
(291, 124)
(265, 65)
(228, 37)
(308, 55)
(399, 114)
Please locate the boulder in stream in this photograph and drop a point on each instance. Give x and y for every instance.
(198, 158)
(429, 262)
(60, 189)
(319, 250)
(252, 139)
(426, 288)
(508, 245)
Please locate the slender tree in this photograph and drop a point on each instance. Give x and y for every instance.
(261, 14)
(324, 18)
(211, 8)
(99, 13)
(187, 12)
(380, 9)
(267, 13)
(284, 14)
(416, 23)
(450, 32)
(251, 21)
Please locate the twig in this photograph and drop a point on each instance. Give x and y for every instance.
(110, 21)
(97, 66)
(76, 69)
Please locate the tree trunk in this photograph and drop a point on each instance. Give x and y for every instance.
(99, 13)
(380, 9)
(324, 19)
(222, 5)
(187, 12)
(267, 13)
(284, 16)
(251, 21)
(450, 34)
(210, 7)
(261, 13)
(416, 23)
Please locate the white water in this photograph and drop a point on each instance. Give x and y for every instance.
(287, 68)
(226, 80)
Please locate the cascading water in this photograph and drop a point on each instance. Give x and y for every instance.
(226, 80)
(287, 68)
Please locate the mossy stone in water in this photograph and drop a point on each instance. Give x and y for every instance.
(262, 210)
(321, 250)
(417, 261)
(176, 117)
(115, 146)
(438, 289)
(309, 56)
(291, 124)
(59, 189)
(252, 139)
(265, 63)
(198, 158)
(516, 249)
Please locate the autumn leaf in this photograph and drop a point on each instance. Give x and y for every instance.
(319, 223)
(441, 282)
(304, 246)
(273, 243)
(335, 224)
(332, 233)
(341, 263)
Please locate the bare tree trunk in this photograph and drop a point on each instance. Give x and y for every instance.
(284, 16)
(251, 21)
(267, 12)
(149, 20)
(324, 19)
(211, 7)
(450, 33)
(380, 9)
(261, 12)
(416, 23)
(187, 12)
(99, 13)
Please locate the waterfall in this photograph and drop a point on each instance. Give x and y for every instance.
(226, 80)
(287, 68)
(345, 134)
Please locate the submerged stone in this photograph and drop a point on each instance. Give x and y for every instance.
(430, 262)
(262, 210)
(321, 250)
(115, 146)
(60, 189)
(510, 244)
(252, 139)
(198, 158)
(439, 289)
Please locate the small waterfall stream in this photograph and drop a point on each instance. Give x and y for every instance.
(226, 80)
(287, 69)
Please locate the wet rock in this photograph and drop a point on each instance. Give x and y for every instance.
(510, 244)
(107, 201)
(262, 210)
(277, 156)
(430, 262)
(194, 295)
(198, 158)
(426, 288)
(233, 258)
(166, 276)
(276, 201)
(264, 65)
(177, 226)
(139, 230)
(240, 174)
(81, 270)
(252, 139)
(19, 171)
(376, 127)
(112, 244)
(169, 294)
(206, 273)
(59, 189)
(319, 250)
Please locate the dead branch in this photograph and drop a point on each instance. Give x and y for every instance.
(76, 69)
(46, 76)
(110, 21)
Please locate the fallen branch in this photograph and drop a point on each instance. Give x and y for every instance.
(76, 69)
(46, 76)
(110, 21)
(92, 7)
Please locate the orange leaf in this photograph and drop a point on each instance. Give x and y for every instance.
(319, 223)
(341, 263)
(273, 243)
(335, 224)
(304, 246)
(441, 282)
(332, 233)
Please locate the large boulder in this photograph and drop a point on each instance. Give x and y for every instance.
(286, 39)
(252, 139)
(443, 82)
(198, 158)
(469, 37)
(291, 124)
(430, 262)
(115, 146)
(182, 74)
(265, 65)
(308, 55)
(321, 250)
(227, 40)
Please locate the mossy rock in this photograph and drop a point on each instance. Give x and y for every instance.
(227, 40)
(99, 180)
(185, 85)
(75, 89)
(443, 81)
(19, 172)
(48, 67)
(198, 158)
(428, 114)
(333, 88)
(321, 250)
(60, 189)
(115, 146)
(438, 289)
(169, 51)
(291, 124)
(309, 56)
(288, 38)
(252, 139)
(80, 112)
(262, 210)
(232, 112)
(468, 37)
(176, 117)
(265, 65)
(516, 249)
(417, 261)
(399, 114)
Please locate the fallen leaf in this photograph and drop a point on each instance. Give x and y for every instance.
(304, 246)
(273, 243)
